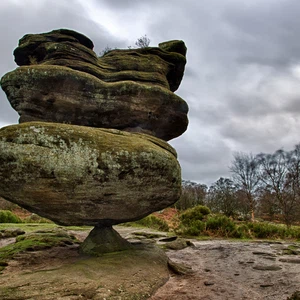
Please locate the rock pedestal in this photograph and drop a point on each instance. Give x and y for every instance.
(104, 239)
(109, 163)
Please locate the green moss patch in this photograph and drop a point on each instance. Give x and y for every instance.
(34, 242)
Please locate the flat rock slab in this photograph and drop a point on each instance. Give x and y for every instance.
(290, 260)
(267, 267)
(222, 270)
(60, 273)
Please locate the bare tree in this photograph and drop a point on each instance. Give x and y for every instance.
(193, 194)
(105, 50)
(143, 42)
(245, 169)
(280, 174)
(267, 204)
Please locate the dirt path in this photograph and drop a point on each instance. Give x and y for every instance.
(234, 270)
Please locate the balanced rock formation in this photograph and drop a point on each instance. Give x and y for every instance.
(110, 163)
(62, 80)
(77, 175)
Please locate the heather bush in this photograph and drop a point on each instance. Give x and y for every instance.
(198, 221)
(267, 230)
(191, 215)
(191, 221)
(7, 216)
(221, 225)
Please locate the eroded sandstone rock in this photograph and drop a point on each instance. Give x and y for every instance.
(62, 80)
(76, 175)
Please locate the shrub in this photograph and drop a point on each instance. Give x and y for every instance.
(105, 51)
(7, 216)
(222, 225)
(194, 228)
(295, 232)
(143, 42)
(266, 230)
(243, 231)
(192, 220)
(196, 213)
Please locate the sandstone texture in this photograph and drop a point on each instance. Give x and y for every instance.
(62, 80)
(76, 175)
(60, 272)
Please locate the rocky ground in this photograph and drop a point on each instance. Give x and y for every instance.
(235, 270)
(215, 269)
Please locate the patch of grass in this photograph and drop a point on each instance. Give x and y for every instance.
(27, 227)
(34, 218)
(150, 221)
(6, 216)
(31, 227)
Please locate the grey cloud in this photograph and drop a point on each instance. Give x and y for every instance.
(265, 33)
(122, 4)
(293, 106)
(22, 18)
(253, 106)
(202, 153)
(261, 134)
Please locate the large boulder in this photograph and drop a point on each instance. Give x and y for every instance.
(76, 175)
(62, 80)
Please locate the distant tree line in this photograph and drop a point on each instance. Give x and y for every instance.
(264, 185)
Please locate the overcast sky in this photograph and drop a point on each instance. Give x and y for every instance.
(242, 79)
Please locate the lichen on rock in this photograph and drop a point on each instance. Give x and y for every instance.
(79, 175)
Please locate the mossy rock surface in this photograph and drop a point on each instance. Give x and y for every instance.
(76, 175)
(62, 80)
(36, 241)
(132, 274)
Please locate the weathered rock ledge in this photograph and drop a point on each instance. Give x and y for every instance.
(62, 80)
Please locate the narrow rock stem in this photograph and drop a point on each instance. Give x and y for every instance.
(103, 239)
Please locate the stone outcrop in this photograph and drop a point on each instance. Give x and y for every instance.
(77, 175)
(109, 163)
(62, 80)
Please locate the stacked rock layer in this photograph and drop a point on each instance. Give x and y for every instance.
(109, 162)
(62, 80)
